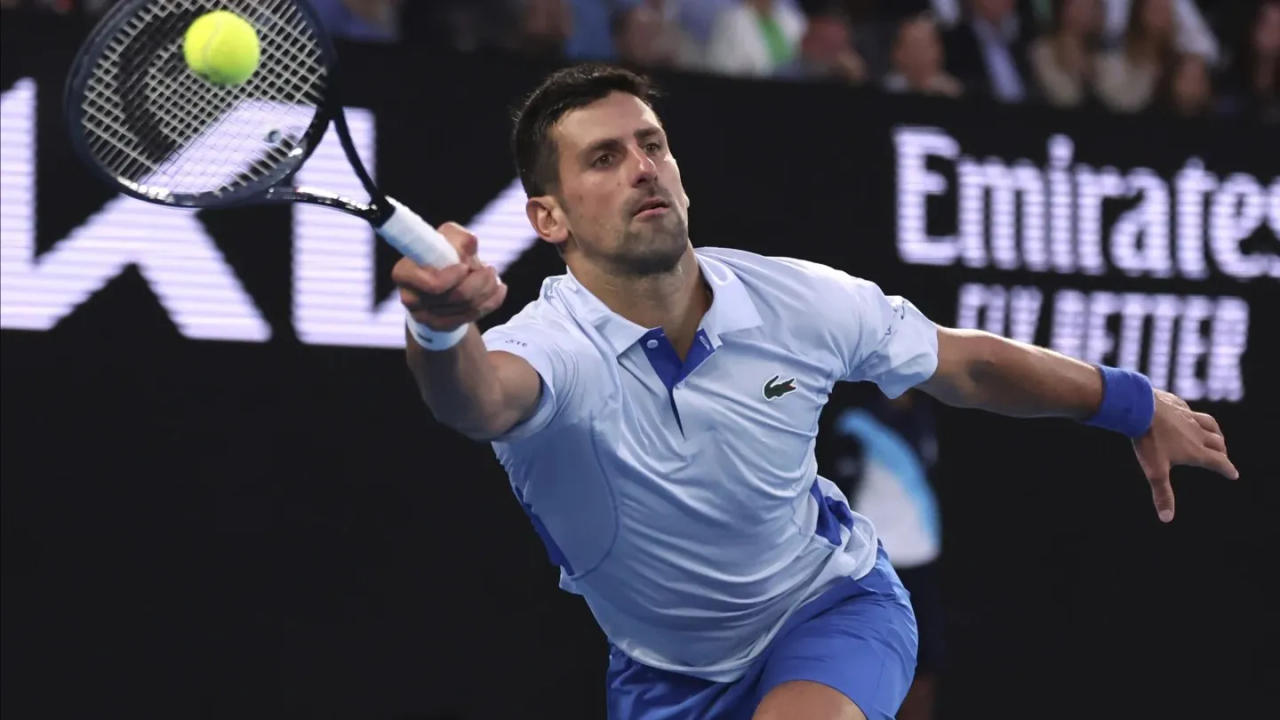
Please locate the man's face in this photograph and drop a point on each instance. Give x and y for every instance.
(918, 52)
(1081, 17)
(1157, 17)
(1266, 33)
(824, 40)
(623, 204)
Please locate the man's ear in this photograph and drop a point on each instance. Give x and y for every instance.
(547, 218)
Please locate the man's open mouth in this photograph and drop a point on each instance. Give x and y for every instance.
(651, 204)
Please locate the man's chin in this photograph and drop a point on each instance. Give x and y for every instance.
(652, 255)
(650, 263)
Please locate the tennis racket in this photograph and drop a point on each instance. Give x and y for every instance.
(146, 123)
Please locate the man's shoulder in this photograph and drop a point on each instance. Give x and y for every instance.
(767, 274)
(547, 321)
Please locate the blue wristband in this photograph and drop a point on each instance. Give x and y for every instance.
(1128, 403)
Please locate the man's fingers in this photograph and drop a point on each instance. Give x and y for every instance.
(460, 238)
(427, 281)
(1206, 421)
(1162, 495)
(1214, 460)
(478, 295)
(1215, 442)
(455, 314)
(495, 300)
(1221, 464)
(475, 288)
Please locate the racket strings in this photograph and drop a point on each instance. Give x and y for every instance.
(154, 123)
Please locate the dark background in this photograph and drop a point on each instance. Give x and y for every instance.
(206, 529)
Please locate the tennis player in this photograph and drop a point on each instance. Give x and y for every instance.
(656, 408)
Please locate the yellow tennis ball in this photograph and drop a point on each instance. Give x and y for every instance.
(221, 47)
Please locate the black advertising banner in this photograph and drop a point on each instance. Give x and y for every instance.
(216, 470)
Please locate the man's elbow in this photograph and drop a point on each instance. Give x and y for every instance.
(478, 429)
(966, 360)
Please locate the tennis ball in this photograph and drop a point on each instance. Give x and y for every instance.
(221, 47)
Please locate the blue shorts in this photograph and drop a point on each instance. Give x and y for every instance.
(859, 637)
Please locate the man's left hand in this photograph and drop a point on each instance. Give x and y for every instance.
(1179, 436)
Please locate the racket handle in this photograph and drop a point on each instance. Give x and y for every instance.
(414, 237)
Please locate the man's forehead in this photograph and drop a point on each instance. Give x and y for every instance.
(616, 115)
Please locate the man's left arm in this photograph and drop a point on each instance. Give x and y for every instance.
(981, 370)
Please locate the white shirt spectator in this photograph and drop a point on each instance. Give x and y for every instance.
(738, 45)
(1193, 34)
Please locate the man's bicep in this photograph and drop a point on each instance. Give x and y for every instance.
(521, 388)
(952, 381)
(889, 341)
(536, 382)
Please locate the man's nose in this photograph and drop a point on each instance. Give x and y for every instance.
(643, 168)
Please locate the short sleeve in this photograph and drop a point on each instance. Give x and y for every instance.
(529, 340)
(883, 339)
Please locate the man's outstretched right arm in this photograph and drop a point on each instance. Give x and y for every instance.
(479, 393)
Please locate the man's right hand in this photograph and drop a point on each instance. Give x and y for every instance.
(450, 297)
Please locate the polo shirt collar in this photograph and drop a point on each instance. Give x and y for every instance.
(731, 307)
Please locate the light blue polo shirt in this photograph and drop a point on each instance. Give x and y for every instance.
(682, 500)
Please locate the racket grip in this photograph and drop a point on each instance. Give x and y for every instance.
(414, 237)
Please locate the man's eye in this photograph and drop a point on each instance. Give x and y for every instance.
(604, 160)
(653, 147)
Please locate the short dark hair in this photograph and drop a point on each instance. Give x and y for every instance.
(562, 91)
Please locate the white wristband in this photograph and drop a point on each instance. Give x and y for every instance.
(434, 340)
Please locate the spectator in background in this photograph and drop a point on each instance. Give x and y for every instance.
(1063, 61)
(1127, 78)
(646, 35)
(372, 21)
(754, 37)
(917, 60)
(698, 16)
(987, 52)
(463, 25)
(1189, 92)
(826, 51)
(1192, 34)
(545, 26)
(593, 24)
(1253, 85)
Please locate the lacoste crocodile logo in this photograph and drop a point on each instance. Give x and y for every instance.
(774, 389)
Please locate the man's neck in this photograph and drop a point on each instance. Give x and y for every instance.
(675, 300)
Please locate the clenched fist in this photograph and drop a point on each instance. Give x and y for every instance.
(450, 297)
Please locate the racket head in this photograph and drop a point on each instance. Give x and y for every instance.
(144, 122)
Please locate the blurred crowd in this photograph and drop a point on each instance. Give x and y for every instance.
(1188, 57)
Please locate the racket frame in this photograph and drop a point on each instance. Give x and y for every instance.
(274, 188)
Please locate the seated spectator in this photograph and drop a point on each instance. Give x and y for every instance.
(463, 25)
(646, 35)
(987, 52)
(698, 17)
(754, 37)
(376, 21)
(918, 60)
(1192, 35)
(1127, 78)
(826, 51)
(592, 37)
(1063, 61)
(1253, 84)
(545, 27)
(1189, 92)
